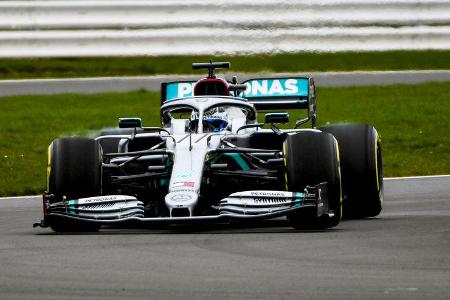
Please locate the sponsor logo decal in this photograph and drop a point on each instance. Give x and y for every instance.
(179, 90)
(184, 175)
(268, 194)
(183, 184)
(185, 89)
(270, 197)
(100, 199)
(181, 197)
(178, 184)
(276, 87)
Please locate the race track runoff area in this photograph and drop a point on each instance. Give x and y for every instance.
(402, 254)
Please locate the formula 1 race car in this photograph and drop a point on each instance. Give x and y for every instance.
(212, 161)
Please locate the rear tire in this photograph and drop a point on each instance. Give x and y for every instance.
(361, 165)
(74, 172)
(312, 157)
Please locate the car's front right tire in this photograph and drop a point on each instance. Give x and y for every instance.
(312, 157)
(74, 171)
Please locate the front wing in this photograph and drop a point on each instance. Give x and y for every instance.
(247, 205)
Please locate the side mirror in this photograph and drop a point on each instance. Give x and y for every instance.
(130, 122)
(276, 118)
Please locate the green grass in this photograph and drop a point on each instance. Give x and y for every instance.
(284, 62)
(411, 119)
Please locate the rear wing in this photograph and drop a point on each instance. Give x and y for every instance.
(264, 93)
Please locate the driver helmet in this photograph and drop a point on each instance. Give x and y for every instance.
(215, 121)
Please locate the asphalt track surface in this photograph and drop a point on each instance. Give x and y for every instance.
(152, 83)
(402, 254)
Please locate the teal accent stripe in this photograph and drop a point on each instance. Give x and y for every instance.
(71, 207)
(238, 159)
(298, 199)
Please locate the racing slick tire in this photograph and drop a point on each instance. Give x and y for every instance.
(361, 166)
(312, 157)
(74, 171)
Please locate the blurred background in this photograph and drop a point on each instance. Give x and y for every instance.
(73, 67)
(113, 28)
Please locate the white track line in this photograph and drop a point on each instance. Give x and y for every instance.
(21, 197)
(163, 77)
(416, 177)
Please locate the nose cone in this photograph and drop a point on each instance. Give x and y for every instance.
(181, 200)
